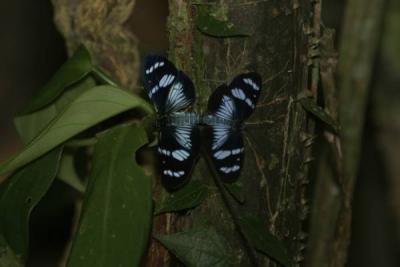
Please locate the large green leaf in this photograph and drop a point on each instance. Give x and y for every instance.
(88, 109)
(117, 211)
(30, 125)
(19, 196)
(256, 231)
(188, 197)
(199, 247)
(74, 69)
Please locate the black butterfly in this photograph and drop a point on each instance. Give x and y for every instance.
(172, 92)
(228, 107)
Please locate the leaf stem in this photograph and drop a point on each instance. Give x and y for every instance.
(233, 212)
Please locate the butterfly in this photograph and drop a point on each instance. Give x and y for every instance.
(228, 107)
(172, 94)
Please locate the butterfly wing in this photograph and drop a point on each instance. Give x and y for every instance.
(169, 89)
(245, 89)
(178, 148)
(225, 141)
(159, 76)
(233, 103)
(227, 152)
(181, 95)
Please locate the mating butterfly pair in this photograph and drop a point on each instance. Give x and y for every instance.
(173, 94)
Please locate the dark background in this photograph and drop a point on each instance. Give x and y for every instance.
(31, 50)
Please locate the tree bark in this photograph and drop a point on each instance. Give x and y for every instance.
(275, 173)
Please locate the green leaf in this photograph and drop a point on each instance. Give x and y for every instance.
(68, 175)
(236, 190)
(256, 231)
(310, 106)
(198, 247)
(210, 25)
(7, 255)
(30, 125)
(74, 69)
(88, 109)
(117, 211)
(20, 194)
(188, 197)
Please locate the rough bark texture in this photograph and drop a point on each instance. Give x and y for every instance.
(326, 201)
(275, 172)
(99, 25)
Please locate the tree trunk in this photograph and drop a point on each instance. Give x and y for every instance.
(275, 173)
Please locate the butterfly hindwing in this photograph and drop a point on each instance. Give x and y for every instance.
(227, 152)
(177, 149)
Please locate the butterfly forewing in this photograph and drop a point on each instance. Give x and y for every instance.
(181, 94)
(245, 89)
(177, 149)
(159, 76)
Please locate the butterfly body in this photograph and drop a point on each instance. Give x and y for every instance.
(177, 119)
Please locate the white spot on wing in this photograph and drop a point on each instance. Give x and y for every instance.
(249, 103)
(166, 80)
(227, 170)
(221, 154)
(180, 154)
(154, 67)
(153, 91)
(171, 173)
(238, 93)
(182, 136)
(251, 83)
(165, 152)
